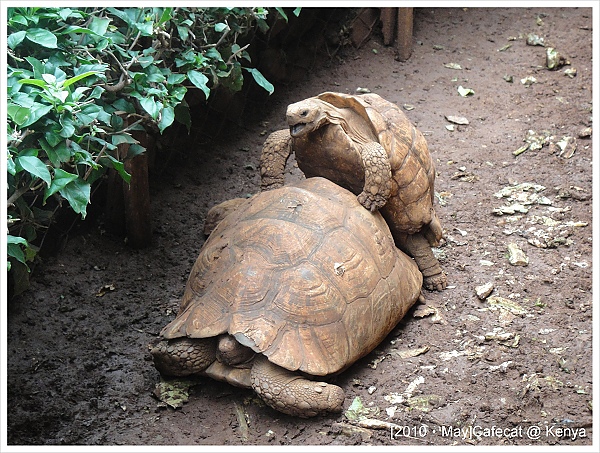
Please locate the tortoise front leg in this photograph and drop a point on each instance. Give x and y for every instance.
(378, 176)
(275, 153)
(292, 394)
(184, 356)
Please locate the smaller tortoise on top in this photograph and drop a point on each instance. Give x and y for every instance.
(368, 146)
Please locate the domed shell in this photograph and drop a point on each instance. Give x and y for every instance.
(302, 274)
(413, 170)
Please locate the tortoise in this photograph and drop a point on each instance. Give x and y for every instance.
(367, 145)
(295, 285)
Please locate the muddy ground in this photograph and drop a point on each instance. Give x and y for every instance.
(513, 369)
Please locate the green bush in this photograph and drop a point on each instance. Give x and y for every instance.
(81, 80)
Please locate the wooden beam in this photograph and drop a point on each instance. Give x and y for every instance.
(405, 33)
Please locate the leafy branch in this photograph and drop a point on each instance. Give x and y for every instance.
(80, 80)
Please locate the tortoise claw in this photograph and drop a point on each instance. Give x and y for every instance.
(371, 202)
(437, 282)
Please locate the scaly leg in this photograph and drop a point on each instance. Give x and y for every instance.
(378, 177)
(417, 246)
(184, 356)
(275, 153)
(292, 394)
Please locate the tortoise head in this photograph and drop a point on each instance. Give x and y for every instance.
(306, 116)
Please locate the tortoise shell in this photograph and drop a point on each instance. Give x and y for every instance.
(302, 274)
(410, 204)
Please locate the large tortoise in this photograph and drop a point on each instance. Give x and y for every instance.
(297, 282)
(367, 145)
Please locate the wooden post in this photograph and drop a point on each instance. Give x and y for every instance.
(405, 33)
(127, 207)
(136, 195)
(114, 208)
(388, 22)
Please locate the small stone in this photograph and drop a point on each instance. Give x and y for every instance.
(457, 119)
(534, 40)
(371, 389)
(516, 256)
(484, 290)
(584, 133)
(528, 81)
(554, 60)
(318, 389)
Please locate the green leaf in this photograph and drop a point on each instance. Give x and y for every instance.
(119, 139)
(77, 193)
(175, 79)
(235, 81)
(154, 74)
(14, 39)
(77, 78)
(17, 19)
(49, 78)
(35, 113)
(182, 115)
(60, 180)
(52, 136)
(10, 239)
(37, 65)
(166, 119)
(10, 165)
(260, 79)
(99, 25)
(121, 15)
(93, 110)
(123, 106)
(199, 80)
(297, 11)
(135, 150)
(221, 27)
(36, 82)
(145, 28)
(282, 13)
(68, 128)
(96, 92)
(166, 16)
(213, 54)
(42, 37)
(23, 99)
(57, 154)
(36, 167)
(14, 251)
(64, 13)
(150, 106)
(17, 113)
(178, 92)
(120, 168)
(183, 32)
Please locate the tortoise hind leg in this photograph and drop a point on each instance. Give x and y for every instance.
(184, 356)
(275, 153)
(292, 394)
(417, 246)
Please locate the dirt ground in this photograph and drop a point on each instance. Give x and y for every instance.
(512, 369)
